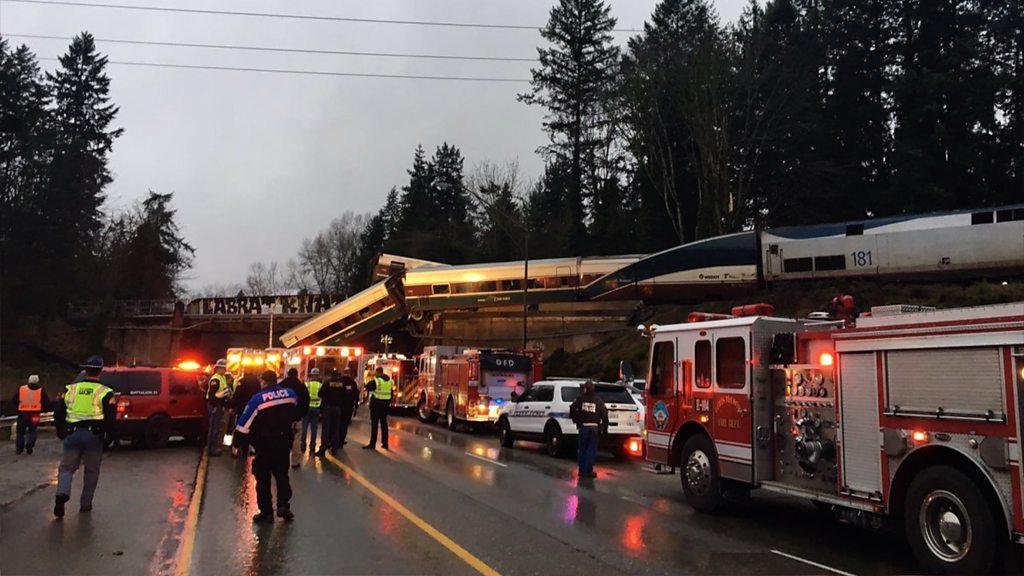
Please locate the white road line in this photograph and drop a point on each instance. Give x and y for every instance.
(812, 563)
(485, 459)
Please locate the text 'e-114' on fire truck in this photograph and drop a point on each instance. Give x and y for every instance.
(912, 415)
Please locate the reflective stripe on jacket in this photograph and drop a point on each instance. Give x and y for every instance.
(383, 389)
(314, 393)
(84, 401)
(30, 400)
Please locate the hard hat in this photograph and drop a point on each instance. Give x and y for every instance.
(33, 379)
(314, 372)
(94, 361)
(222, 363)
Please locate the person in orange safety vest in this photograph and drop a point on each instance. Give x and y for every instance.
(31, 401)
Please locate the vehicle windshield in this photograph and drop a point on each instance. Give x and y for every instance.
(607, 392)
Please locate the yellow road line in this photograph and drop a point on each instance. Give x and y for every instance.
(188, 536)
(422, 524)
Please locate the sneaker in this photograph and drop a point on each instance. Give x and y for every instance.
(263, 518)
(85, 508)
(58, 506)
(285, 513)
(18, 452)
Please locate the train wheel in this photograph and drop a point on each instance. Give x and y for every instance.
(423, 411)
(949, 523)
(449, 415)
(702, 483)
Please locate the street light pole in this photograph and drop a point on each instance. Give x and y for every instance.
(526, 279)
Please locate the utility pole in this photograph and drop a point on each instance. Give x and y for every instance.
(526, 279)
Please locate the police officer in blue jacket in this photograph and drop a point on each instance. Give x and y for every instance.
(267, 419)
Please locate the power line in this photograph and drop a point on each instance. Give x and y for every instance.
(286, 50)
(307, 72)
(293, 16)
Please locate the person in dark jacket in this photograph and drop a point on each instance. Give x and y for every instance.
(381, 392)
(590, 415)
(84, 416)
(302, 393)
(349, 401)
(267, 419)
(247, 386)
(31, 401)
(337, 398)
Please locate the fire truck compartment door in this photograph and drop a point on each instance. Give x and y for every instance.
(860, 436)
(731, 418)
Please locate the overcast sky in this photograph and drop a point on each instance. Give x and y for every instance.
(259, 161)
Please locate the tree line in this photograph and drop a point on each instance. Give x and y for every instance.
(57, 243)
(803, 111)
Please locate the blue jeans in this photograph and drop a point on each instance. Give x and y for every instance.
(81, 447)
(587, 453)
(213, 438)
(26, 427)
(310, 422)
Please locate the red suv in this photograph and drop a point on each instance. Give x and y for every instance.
(154, 403)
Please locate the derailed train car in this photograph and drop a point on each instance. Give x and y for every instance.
(954, 244)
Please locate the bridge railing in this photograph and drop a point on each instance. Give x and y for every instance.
(122, 309)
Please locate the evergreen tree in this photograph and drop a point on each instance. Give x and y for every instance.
(380, 231)
(573, 82)
(83, 138)
(159, 253)
(454, 232)
(1006, 50)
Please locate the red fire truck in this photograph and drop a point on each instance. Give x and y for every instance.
(471, 385)
(910, 416)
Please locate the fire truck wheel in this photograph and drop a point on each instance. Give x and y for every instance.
(949, 523)
(702, 483)
(424, 413)
(158, 431)
(449, 415)
(554, 441)
(505, 436)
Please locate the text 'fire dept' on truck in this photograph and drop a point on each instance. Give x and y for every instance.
(911, 416)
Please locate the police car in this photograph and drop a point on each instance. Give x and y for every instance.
(541, 414)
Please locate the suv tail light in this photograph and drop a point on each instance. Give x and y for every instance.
(123, 406)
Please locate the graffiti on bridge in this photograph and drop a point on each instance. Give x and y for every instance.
(263, 305)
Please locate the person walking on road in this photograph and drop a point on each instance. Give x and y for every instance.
(380, 401)
(311, 421)
(84, 417)
(31, 401)
(302, 394)
(248, 385)
(335, 398)
(218, 392)
(590, 415)
(268, 420)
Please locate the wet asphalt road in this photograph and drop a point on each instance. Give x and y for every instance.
(513, 511)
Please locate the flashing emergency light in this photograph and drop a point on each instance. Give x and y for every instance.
(357, 352)
(703, 418)
(258, 360)
(246, 361)
(294, 360)
(634, 447)
(344, 351)
(320, 351)
(919, 436)
(826, 359)
(394, 369)
(189, 365)
(307, 350)
(273, 357)
(234, 358)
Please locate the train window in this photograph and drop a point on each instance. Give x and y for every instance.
(702, 364)
(797, 265)
(440, 289)
(836, 262)
(490, 286)
(1009, 215)
(663, 364)
(464, 287)
(511, 285)
(981, 217)
(731, 362)
(854, 229)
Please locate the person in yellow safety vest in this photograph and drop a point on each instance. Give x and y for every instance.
(380, 401)
(218, 392)
(84, 418)
(311, 421)
(31, 400)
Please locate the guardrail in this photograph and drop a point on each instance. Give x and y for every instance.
(45, 417)
(123, 309)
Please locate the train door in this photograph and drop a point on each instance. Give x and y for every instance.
(732, 422)
(772, 260)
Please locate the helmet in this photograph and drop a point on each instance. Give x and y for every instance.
(95, 361)
(33, 379)
(222, 363)
(314, 372)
